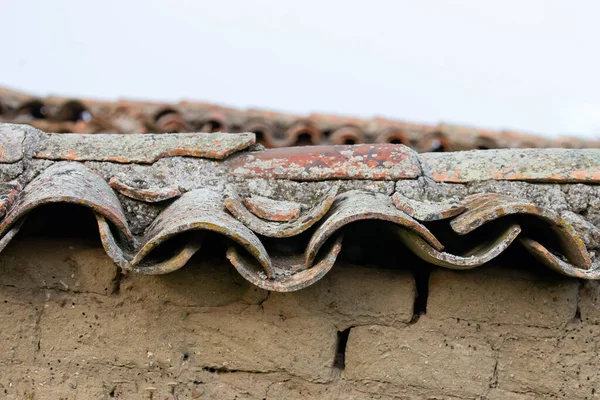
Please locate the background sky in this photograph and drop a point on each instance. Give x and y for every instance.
(531, 65)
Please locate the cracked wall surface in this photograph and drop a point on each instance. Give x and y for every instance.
(74, 327)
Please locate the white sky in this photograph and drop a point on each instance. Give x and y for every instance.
(531, 65)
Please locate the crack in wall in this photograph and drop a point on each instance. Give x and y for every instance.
(37, 332)
(421, 276)
(339, 361)
(115, 284)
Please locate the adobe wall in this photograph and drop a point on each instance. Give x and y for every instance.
(73, 327)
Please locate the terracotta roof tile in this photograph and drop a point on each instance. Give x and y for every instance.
(531, 165)
(284, 212)
(60, 114)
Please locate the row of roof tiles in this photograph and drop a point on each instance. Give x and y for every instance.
(69, 115)
(272, 267)
(57, 168)
(375, 162)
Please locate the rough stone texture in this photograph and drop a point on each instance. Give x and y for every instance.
(565, 366)
(9, 172)
(351, 295)
(542, 195)
(139, 215)
(139, 148)
(547, 165)
(203, 332)
(306, 192)
(18, 324)
(303, 347)
(11, 143)
(413, 358)
(589, 233)
(501, 295)
(589, 302)
(216, 283)
(161, 336)
(310, 163)
(427, 211)
(577, 198)
(76, 265)
(185, 173)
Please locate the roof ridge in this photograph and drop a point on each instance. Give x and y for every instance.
(145, 190)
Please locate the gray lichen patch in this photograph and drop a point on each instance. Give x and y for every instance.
(11, 143)
(139, 215)
(423, 189)
(545, 195)
(578, 196)
(185, 173)
(31, 169)
(306, 193)
(542, 195)
(385, 162)
(578, 204)
(273, 210)
(16, 145)
(12, 171)
(141, 148)
(533, 165)
(589, 233)
(427, 211)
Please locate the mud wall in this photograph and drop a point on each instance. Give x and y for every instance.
(73, 327)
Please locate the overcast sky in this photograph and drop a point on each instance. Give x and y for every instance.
(531, 65)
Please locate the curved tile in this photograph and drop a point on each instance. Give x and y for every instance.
(358, 205)
(8, 193)
(485, 207)
(427, 211)
(122, 256)
(200, 209)
(474, 258)
(206, 210)
(378, 162)
(283, 129)
(558, 264)
(119, 255)
(392, 135)
(277, 229)
(291, 273)
(264, 131)
(147, 195)
(172, 122)
(482, 208)
(348, 135)
(173, 263)
(273, 210)
(301, 133)
(68, 183)
(11, 233)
